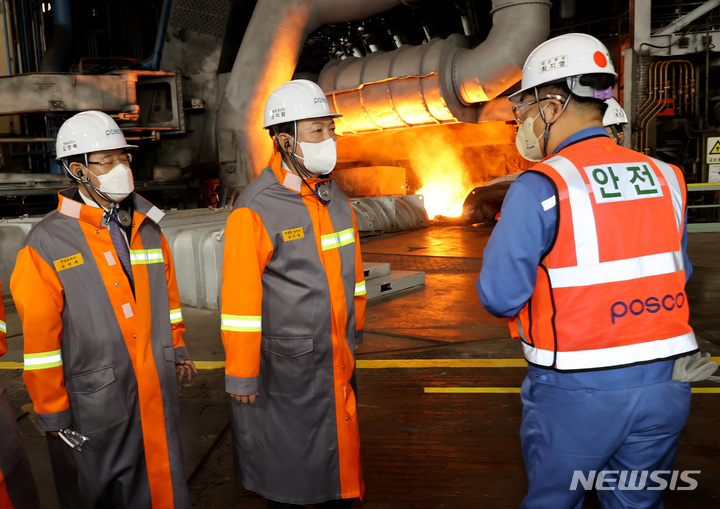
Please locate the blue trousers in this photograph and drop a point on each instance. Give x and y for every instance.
(619, 420)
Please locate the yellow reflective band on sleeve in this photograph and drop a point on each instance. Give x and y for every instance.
(339, 239)
(3, 327)
(360, 288)
(241, 323)
(43, 360)
(176, 315)
(146, 256)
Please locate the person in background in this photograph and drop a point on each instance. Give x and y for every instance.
(614, 121)
(95, 287)
(17, 485)
(293, 310)
(589, 263)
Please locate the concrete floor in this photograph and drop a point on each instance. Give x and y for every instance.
(420, 449)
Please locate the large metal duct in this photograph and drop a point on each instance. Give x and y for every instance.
(436, 83)
(62, 37)
(267, 58)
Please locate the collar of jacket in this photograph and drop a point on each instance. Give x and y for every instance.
(68, 206)
(293, 182)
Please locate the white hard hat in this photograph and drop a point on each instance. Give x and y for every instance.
(89, 131)
(614, 114)
(566, 56)
(296, 100)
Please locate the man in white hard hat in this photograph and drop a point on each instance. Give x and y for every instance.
(589, 262)
(614, 121)
(293, 310)
(95, 288)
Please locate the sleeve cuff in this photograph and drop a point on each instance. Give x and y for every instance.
(54, 421)
(239, 385)
(181, 354)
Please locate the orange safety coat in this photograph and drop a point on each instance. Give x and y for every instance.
(610, 292)
(101, 359)
(17, 485)
(293, 310)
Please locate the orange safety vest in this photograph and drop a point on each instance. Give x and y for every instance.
(610, 292)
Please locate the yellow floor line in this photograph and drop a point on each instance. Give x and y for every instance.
(471, 390)
(382, 363)
(506, 390)
(210, 364)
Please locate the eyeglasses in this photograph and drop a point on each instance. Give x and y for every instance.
(520, 109)
(125, 159)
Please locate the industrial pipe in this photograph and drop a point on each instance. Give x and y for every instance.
(7, 38)
(439, 82)
(267, 58)
(495, 65)
(53, 58)
(153, 61)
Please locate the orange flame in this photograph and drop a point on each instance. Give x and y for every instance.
(444, 194)
(443, 175)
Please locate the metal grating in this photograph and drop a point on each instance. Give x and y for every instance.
(207, 17)
(428, 264)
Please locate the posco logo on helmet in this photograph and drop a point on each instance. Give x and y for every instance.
(320, 100)
(110, 132)
(650, 305)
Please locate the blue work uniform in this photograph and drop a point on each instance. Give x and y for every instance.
(583, 423)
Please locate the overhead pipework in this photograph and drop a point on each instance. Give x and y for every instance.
(267, 58)
(441, 82)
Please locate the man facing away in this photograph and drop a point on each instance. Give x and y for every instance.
(589, 262)
(95, 287)
(293, 310)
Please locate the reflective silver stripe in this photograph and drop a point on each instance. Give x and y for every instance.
(338, 239)
(617, 270)
(110, 258)
(292, 181)
(675, 191)
(583, 217)
(43, 360)
(146, 256)
(155, 214)
(360, 288)
(538, 356)
(549, 203)
(614, 356)
(3, 327)
(127, 309)
(70, 208)
(241, 323)
(176, 315)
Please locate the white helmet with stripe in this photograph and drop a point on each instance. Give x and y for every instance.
(296, 100)
(87, 132)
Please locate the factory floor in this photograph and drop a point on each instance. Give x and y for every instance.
(420, 449)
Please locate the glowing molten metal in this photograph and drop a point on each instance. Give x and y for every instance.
(443, 176)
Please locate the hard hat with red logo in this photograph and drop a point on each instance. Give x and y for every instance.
(89, 131)
(567, 57)
(296, 100)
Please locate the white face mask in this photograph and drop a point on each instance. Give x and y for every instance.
(528, 145)
(319, 158)
(116, 184)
